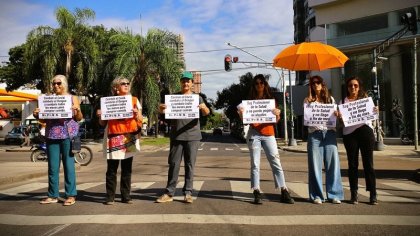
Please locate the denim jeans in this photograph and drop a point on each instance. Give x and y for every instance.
(268, 143)
(59, 149)
(322, 149)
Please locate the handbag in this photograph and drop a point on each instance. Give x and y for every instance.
(76, 144)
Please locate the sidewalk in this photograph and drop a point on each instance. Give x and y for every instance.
(11, 172)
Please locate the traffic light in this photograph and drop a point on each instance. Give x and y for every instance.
(409, 19)
(287, 98)
(228, 62)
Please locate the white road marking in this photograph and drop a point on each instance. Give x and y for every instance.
(404, 186)
(241, 190)
(244, 149)
(55, 230)
(214, 149)
(299, 188)
(141, 185)
(179, 195)
(382, 195)
(229, 149)
(11, 219)
(16, 191)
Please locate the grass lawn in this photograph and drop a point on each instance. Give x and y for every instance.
(154, 141)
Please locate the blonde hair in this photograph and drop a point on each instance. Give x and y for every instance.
(116, 83)
(63, 81)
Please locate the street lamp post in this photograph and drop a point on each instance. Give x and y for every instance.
(280, 77)
(292, 140)
(379, 145)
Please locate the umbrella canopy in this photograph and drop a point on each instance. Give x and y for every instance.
(310, 56)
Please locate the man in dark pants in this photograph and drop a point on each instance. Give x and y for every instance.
(185, 138)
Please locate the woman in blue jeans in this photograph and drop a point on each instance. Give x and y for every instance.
(58, 133)
(322, 150)
(261, 135)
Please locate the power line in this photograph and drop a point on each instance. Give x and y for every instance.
(229, 49)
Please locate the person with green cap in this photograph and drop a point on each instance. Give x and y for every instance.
(185, 136)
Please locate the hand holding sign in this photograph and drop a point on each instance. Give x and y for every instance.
(358, 112)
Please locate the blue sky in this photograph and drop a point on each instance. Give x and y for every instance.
(205, 25)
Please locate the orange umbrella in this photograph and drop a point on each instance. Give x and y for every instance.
(310, 56)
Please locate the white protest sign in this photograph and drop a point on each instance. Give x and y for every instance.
(358, 112)
(258, 111)
(116, 107)
(55, 107)
(316, 114)
(180, 106)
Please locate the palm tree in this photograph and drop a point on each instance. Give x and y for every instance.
(54, 48)
(152, 65)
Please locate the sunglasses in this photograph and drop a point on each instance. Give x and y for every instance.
(56, 83)
(316, 82)
(353, 85)
(125, 83)
(259, 83)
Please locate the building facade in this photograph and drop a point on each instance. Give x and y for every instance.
(357, 27)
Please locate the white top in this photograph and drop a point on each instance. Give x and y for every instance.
(312, 129)
(350, 129)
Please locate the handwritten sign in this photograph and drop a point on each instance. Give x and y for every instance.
(316, 114)
(258, 111)
(116, 107)
(55, 107)
(182, 106)
(358, 112)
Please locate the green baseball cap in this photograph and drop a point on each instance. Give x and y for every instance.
(187, 75)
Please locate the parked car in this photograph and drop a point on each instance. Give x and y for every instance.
(15, 136)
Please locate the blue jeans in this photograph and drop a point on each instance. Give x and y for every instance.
(60, 149)
(322, 149)
(268, 143)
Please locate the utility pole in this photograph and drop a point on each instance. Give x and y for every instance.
(292, 140)
(416, 128)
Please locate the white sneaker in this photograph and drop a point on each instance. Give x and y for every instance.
(317, 201)
(336, 201)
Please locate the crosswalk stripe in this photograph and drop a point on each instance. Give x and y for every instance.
(141, 185)
(229, 149)
(16, 191)
(299, 188)
(179, 195)
(404, 186)
(318, 220)
(241, 190)
(382, 195)
(214, 149)
(244, 149)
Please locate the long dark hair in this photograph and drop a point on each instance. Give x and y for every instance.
(362, 93)
(325, 95)
(253, 94)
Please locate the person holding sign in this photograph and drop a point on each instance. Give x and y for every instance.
(359, 137)
(322, 148)
(262, 135)
(59, 132)
(121, 141)
(185, 136)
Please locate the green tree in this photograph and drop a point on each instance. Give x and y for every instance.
(12, 73)
(147, 58)
(53, 49)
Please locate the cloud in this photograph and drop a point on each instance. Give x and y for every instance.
(205, 25)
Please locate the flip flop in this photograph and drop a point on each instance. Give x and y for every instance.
(48, 200)
(69, 201)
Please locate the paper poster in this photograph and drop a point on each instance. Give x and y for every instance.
(316, 114)
(180, 106)
(258, 111)
(116, 107)
(358, 112)
(55, 106)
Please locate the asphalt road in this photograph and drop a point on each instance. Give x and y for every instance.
(223, 200)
